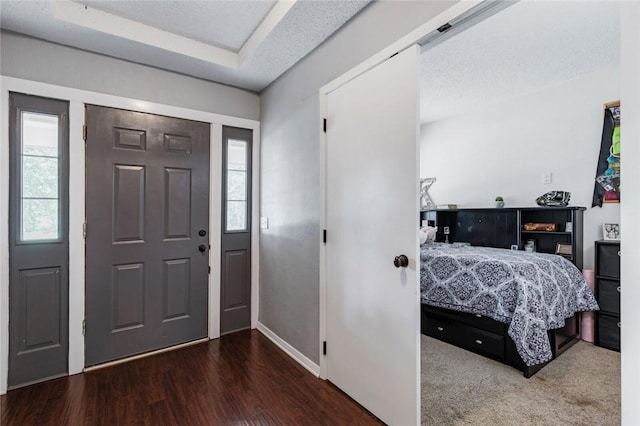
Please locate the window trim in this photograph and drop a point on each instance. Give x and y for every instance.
(228, 136)
(19, 177)
(18, 107)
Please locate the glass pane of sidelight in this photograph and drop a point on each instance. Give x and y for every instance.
(236, 155)
(39, 219)
(236, 185)
(39, 134)
(39, 179)
(236, 215)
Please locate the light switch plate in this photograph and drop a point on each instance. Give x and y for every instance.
(264, 222)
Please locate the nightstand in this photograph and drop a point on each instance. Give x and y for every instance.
(608, 287)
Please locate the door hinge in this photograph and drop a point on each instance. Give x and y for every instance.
(84, 230)
(324, 125)
(324, 347)
(84, 327)
(84, 132)
(209, 271)
(324, 236)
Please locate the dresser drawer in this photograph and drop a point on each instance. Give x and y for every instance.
(484, 342)
(608, 295)
(608, 257)
(608, 331)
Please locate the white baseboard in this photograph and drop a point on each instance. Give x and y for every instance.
(312, 367)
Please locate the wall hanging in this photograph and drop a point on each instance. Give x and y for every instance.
(607, 186)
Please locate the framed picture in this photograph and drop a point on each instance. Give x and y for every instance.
(611, 231)
(564, 249)
(530, 246)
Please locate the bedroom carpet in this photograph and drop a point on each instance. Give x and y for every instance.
(581, 387)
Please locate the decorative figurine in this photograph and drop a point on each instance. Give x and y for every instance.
(499, 202)
(426, 202)
(554, 199)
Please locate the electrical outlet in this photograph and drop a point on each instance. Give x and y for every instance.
(264, 222)
(546, 178)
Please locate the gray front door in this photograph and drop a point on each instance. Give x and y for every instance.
(235, 285)
(147, 246)
(38, 240)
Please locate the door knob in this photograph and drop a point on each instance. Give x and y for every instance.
(202, 248)
(401, 261)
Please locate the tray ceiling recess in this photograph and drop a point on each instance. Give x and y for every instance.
(247, 44)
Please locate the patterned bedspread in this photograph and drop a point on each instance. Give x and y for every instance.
(532, 292)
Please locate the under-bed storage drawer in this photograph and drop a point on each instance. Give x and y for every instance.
(442, 329)
(608, 331)
(484, 342)
(482, 322)
(474, 320)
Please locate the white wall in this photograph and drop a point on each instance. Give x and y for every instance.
(290, 179)
(38, 60)
(630, 145)
(504, 148)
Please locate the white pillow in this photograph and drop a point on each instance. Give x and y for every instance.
(422, 234)
(427, 233)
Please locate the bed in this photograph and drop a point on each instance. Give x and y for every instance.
(514, 306)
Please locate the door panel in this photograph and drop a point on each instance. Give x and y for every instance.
(236, 279)
(38, 287)
(147, 199)
(176, 288)
(38, 240)
(235, 286)
(128, 296)
(177, 208)
(128, 203)
(372, 216)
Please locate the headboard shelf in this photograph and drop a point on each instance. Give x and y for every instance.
(503, 227)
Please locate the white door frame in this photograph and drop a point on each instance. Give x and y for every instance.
(406, 41)
(77, 99)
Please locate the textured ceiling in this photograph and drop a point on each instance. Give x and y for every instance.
(519, 50)
(246, 44)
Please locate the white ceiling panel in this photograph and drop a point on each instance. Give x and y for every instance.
(226, 24)
(246, 44)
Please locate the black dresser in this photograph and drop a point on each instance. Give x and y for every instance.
(608, 294)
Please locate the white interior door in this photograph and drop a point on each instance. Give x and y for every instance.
(372, 307)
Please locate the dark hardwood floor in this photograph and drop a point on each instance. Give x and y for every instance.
(240, 379)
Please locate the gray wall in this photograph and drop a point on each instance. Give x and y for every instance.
(290, 182)
(38, 60)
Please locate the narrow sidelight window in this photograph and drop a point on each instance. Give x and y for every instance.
(236, 185)
(39, 177)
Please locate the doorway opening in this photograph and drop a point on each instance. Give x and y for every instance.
(512, 107)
